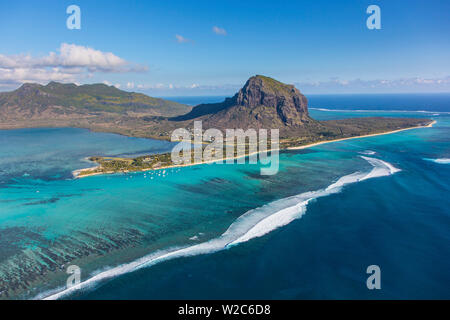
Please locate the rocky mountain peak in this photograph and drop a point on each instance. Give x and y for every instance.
(287, 100)
(262, 101)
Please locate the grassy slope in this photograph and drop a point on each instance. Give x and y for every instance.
(88, 98)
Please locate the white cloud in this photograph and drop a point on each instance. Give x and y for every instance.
(181, 39)
(219, 31)
(117, 85)
(22, 75)
(333, 85)
(78, 56)
(416, 84)
(160, 87)
(70, 63)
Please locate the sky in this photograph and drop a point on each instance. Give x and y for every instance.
(181, 48)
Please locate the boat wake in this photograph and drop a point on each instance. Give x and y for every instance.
(252, 224)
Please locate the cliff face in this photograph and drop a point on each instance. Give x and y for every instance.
(262, 103)
(290, 105)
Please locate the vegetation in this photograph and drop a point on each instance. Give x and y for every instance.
(331, 130)
(274, 85)
(88, 98)
(262, 103)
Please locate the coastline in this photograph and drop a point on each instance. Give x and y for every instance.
(364, 136)
(76, 173)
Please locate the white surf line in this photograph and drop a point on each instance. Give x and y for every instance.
(367, 152)
(252, 224)
(439, 160)
(377, 111)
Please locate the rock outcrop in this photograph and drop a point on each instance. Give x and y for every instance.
(261, 103)
(290, 105)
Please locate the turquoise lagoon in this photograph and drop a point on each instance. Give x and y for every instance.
(225, 231)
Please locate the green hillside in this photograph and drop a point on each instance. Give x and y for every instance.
(90, 97)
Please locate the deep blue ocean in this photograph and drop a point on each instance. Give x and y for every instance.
(395, 101)
(224, 231)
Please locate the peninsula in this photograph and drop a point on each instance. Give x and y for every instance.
(262, 103)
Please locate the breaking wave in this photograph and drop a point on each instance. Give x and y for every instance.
(368, 152)
(440, 160)
(434, 113)
(252, 224)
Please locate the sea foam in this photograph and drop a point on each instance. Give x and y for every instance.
(440, 160)
(434, 113)
(252, 224)
(368, 152)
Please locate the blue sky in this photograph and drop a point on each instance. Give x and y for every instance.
(167, 48)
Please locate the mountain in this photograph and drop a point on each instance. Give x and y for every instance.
(261, 100)
(35, 101)
(266, 103)
(262, 103)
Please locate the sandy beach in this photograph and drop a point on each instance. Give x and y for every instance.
(76, 173)
(358, 137)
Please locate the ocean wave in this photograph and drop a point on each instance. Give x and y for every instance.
(434, 113)
(252, 224)
(439, 160)
(367, 152)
